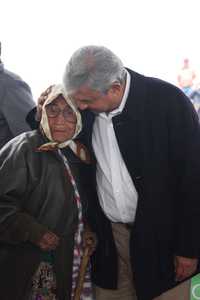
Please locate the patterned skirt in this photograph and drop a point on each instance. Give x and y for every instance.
(44, 282)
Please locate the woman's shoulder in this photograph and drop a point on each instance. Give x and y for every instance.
(21, 143)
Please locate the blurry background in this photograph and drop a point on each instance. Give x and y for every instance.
(151, 37)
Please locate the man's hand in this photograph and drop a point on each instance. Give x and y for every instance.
(41, 101)
(184, 267)
(49, 241)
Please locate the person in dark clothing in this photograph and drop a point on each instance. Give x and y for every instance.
(145, 136)
(15, 102)
(43, 205)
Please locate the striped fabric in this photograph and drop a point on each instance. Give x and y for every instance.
(78, 242)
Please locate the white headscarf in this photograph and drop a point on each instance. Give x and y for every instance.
(55, 91)
(80, 150)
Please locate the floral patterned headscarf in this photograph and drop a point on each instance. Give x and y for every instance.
(46, 98)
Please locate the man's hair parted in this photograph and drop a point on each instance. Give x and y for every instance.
(94, 66)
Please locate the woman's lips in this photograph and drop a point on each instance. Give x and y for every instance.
(59, 130)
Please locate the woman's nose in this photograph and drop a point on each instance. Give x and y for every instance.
(60, 118)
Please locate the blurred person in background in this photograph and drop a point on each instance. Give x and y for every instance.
(15, 102)
(186, 77)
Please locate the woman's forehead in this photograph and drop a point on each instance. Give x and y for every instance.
(60, 100)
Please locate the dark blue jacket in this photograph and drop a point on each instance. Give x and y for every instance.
(158, 135)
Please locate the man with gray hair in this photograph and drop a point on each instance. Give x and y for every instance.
(15, 102)
(145, 136)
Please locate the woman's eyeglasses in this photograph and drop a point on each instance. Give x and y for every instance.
(53, 111)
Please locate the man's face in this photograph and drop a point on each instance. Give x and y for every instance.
(86, 98)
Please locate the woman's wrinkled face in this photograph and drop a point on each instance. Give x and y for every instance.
(62, 120)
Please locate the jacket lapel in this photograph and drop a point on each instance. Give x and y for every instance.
(129, 127)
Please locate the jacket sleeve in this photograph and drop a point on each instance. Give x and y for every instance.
(16, 104)
(16, 182)
(184, 145)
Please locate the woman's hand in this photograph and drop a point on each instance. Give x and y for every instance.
(49, 241)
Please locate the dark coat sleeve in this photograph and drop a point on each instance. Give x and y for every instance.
(184, 151)
(16, 225)
(16, 102)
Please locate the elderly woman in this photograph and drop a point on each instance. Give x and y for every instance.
(42, 206)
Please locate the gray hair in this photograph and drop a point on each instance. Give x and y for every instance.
(95, 66)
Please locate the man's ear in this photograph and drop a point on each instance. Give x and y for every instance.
(115, 88)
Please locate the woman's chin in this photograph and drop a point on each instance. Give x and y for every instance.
(60, 139)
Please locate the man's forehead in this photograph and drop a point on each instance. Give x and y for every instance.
(85, 92)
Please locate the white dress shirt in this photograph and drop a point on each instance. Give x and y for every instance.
(117, 194)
